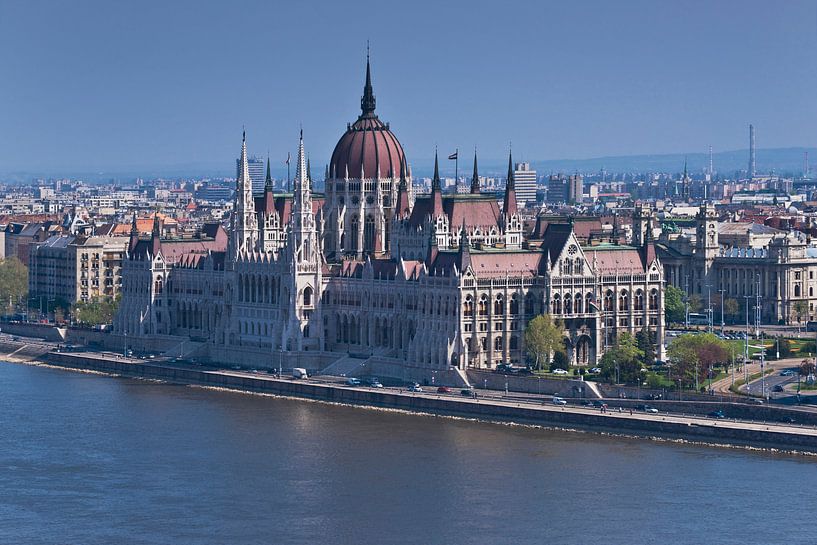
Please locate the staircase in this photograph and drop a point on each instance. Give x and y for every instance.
(347, 366)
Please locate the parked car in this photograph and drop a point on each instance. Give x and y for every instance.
(559, 401)
(468, 392)
(351, 381)
(756, 400)
(299, 372)
(716, 414)
(595, 370)
(374, 382)
(650, 409)
(778, 388)
(443, 390)
(559, 372)
(787, 373)
(415, 388)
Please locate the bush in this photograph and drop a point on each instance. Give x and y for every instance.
(559, 361)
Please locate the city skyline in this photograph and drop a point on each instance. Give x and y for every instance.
(159, 105)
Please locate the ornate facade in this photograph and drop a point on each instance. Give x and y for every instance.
(434, 281)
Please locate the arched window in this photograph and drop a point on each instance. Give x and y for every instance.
(514, 304)
(608, 300)
(578, 306)
(499, 306)
(468, 306)
(588, 300)
(529, 304)
(354, 228)
(557, 304)
(579, 266)
(639, 300)
(623, 300)
(568, 267)
(308, 296)
(483, 305)
(654, 299)
(368, 234)
(568, 306)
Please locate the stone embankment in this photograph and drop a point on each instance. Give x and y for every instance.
(786, 437)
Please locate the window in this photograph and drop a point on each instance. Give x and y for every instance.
(499, 306)
(308, 296)
(639, 300)
(608, 300)
(623, 300)
(468, 306)
(654, 299)
(498, 343)
(483, 305)
(557, 304)
(514, 304)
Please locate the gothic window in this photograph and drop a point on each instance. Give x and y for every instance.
(568, 267)
(568, 306)
(557, 304)
(499, 306)
(639, 300)
(578, 306)
(308, 296)
(368, 234)
(608, 300)
(654, 299)
(514, 304)
(468, 306)
(579, 266)
(355, 226)
(529, 304)
(623, 301)
(483, 305)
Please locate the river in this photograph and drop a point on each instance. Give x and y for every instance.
(90, 459)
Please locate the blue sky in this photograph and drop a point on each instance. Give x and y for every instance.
(118, 85)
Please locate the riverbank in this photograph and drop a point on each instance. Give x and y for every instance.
(695, 429)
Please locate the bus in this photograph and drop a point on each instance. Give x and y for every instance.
(698, 318)
(811, 326)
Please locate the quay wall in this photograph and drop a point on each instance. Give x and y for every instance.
(449, 405)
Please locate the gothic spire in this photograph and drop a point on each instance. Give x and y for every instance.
(402, 205)
(509, 204)
(436, 190)
(367, 102)
(301, 172)
(465, 248)
(435, 181)
(475, 176)
(268, 179)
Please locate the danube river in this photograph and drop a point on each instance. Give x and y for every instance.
(88, 459)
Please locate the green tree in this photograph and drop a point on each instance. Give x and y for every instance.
(645, 340)
(693, 355)
(560, 361)
(731, 309)
(695, 303)
(785, 348)
(800, 309)
(543, 336)
(807, 368)
(97, 311)
(625, 357)
(674, 304)
(13, 282)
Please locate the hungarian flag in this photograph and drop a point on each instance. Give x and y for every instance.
(453, 156)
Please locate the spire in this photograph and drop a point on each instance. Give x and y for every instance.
(308, 169)
(465, 249)
(134, 230)
(367, 102)
(156, 228)
(134, 235)
(155, 240)
(685, 168)
(268, 179)
(402, 205)
(436, 190)
(475, 176)
(509, 204)
(302, 171)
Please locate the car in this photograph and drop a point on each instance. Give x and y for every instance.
(716, 414)
(467, 392)
(778, 388)
(559, 401)
(504, 368)
(586, 403)
(595, 370)
(443, 390)
(787, 373)
(559, 372)
(524, 370)
(598, 403)
(415, 388)
(641, 407)
(352, 381)
(650, 409)
(756, 401)
(654, 396)
(375, 383)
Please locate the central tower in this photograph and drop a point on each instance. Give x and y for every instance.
(363, 183)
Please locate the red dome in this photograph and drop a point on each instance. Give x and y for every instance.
(367, 145)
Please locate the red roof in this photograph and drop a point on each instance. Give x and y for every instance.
(370, 145)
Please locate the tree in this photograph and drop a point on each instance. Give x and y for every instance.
(807, 368)
(13, 282)
(731, 309)
(692, 356)
(97, 311)
(560, 361)
(674, 304)
(695, 303)
(800, 309)
(645, 340)
(543, 336)
(785, 348)
(622, 361)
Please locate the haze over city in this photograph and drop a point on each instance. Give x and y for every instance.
(156, 87)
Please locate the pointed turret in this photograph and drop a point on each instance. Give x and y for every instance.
(436, 190)
(155, 236)
(367, 102)
(475, 176)
(134, 235)
(465, 249)
(402, 206)
(509, 204)
(268, 179)
(244, 223)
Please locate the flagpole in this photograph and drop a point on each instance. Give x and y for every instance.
(456, 168)
(288, 185)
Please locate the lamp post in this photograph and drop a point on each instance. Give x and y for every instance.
(723, 300)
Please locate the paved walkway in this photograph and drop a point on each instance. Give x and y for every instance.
(722, 386)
